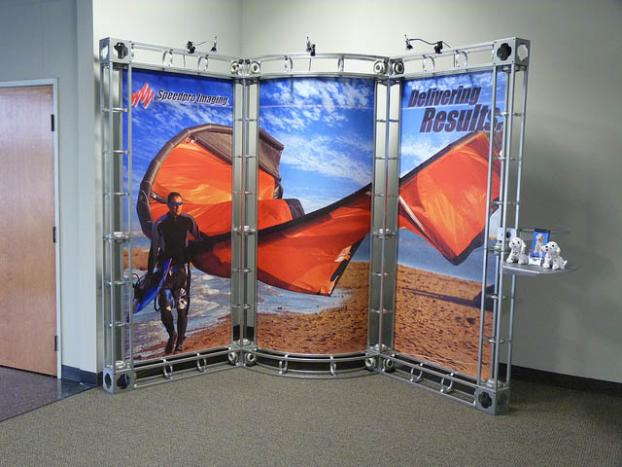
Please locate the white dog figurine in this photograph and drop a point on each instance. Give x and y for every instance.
(552, 257)
(517, 252)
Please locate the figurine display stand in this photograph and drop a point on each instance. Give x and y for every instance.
(532, 270)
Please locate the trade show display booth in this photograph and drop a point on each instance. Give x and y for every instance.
(314, 215)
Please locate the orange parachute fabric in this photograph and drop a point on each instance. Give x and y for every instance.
(197, 164)
(309, 254)
(443, 200)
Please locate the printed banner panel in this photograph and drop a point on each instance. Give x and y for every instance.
(316, 156)
(181, 185)
(442, 215)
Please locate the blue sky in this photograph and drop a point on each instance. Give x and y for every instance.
(158, 123)
(326, 125)
(416, 148)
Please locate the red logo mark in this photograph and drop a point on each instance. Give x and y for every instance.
(144, 95)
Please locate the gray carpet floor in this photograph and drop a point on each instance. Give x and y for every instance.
(239, 417)
(22, 391)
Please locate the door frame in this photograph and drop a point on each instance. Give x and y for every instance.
(57, 246)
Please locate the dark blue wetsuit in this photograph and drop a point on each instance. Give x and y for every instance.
(169, 239)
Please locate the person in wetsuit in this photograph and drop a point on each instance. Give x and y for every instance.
(170, 238)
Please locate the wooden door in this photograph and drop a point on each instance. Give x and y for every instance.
(27, 253)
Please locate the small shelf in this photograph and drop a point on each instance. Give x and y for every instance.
(532, 270)
(555, 230)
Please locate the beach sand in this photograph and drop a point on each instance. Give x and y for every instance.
(218, 335)
(335, 330)
(140, 258)
(437, 320)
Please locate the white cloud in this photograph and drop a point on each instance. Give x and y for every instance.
(414, 151)
(312, 200)
(318, 155)
(303, 101)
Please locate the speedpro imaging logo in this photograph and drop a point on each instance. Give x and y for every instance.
(146, 95)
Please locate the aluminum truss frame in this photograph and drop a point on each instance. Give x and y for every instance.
(296, 66)
(118, 57)
(508, 56)
(489, 393)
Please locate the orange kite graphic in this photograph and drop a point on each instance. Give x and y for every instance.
(443, 200)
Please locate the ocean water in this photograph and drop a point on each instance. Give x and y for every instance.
(275, 300)
(415, 252)
(209, 302)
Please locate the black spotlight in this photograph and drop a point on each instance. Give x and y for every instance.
(310, 47)
(409, 46)
(190, 47)
(121, 49)
(213, 49)
(438, 47)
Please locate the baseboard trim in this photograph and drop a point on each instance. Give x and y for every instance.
(578, 383)
(81, 376)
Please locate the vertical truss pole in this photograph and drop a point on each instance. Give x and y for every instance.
(382, 344)
(243, 205)
(379, 219)
(251, 161)
(392, 174)
(237, 267)
(519, 175)
(385, 188)
(104, 91)
(377, 223)
(130, 295)
(109, 193)
(482, 311)
(505, 169)
(117, 298)
(244, 225)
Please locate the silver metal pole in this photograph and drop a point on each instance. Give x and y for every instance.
(109, 199)
(244, 249)
(104, 168)
(391, 219)
(482, 310)
(498, 285)
(235, 214)
(255, 160)
(241, 219)
(519, 175)
(130, 330)
(383, 242)
(373, 318)
(509, 111)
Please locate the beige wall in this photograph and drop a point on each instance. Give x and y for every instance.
(572, 323)
(40, 40)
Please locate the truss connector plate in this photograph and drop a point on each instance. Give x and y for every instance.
(112, 50)
(492, 402)
(118, 378)
(511, 51)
